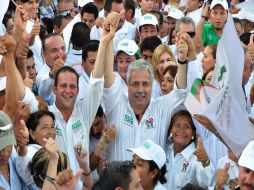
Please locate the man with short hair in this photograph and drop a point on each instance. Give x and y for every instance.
(89, 53)
(137, 115)
(119, 175)
(147, 47)
(149, 26)
(54, 54)
(173, 15)
(210, 33)
(89, 14)
(194, 10)
(61, 20)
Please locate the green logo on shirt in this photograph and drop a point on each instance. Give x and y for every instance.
(76, 126)
(128, 119)
(58, 131)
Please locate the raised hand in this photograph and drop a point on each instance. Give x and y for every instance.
(52, 148)
(9, 43)
(200, 152)
(205, 122)
(182, 49)
(222, 177)
(22, 49)
(110, 26)
(21, 134)
(3, 49)
(65, 180)
(22, 112)
(251, 47)
(82, 156)
(35, 31)
(59, 63)
(29, 83)
(20, 19)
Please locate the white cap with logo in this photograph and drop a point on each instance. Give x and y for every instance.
(149, 150)
(7, 136)
(148, 19)
(247, 157)
(175, 13)
(223, 3)
(127, 46)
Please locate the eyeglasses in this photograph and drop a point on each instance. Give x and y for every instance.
(63, 13)
(191, 34)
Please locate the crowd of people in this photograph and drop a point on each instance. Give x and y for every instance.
(92, 95)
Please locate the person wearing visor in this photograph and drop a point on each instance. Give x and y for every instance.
(150, 161)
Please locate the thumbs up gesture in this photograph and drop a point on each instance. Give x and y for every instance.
(21, 134)
(222, 177)
(251, 47)
(28, 82)
(201, 154)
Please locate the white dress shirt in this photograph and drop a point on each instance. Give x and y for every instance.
(83, 86)
(153, 125)
(74, 60)
(77, 129)
(184, 168)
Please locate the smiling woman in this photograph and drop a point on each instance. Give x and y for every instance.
(31, 7)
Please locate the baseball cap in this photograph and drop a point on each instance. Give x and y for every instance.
(149, 150)
(7, 136)
(223, 3)
(82, 3)
(148, 19)
(175, 13)
(127, 46)
(2, 83)
(247, 157)
(243, 14)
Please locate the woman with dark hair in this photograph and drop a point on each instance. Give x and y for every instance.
(187, 162)
(150, 162)
(40, 125)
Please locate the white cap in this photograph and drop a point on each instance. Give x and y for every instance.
(148, 19)
(7, 136)
(127, 46)
(243, 14)
(82, 3)
(150, 151)
(2, 83)
(175, 13)
(247, 157)
(223, 3)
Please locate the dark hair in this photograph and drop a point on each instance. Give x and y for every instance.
(172, 69)
(154, 12)
(150, 43)
(49, 23)
(80, 34)
(100, 112)
(92, 45)
(39, 165)
(65, 69)
(161, 172)
(34, 120)
(245, 38)
(47, 37)
(90, 8)
(7, 16)
(184, 113)
(108, 4)
(189, 186)
(58, 19)
(214, 50)
(115, 174)
(29, 54)
(237, 20)
(130, 4)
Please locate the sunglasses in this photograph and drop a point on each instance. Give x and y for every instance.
(191, 34)
(63, 13)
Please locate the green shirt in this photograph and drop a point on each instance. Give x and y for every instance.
(209, 36)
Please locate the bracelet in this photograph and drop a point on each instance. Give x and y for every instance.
(51, 180)
(182, 62)
(204, 17)
(87, 174)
